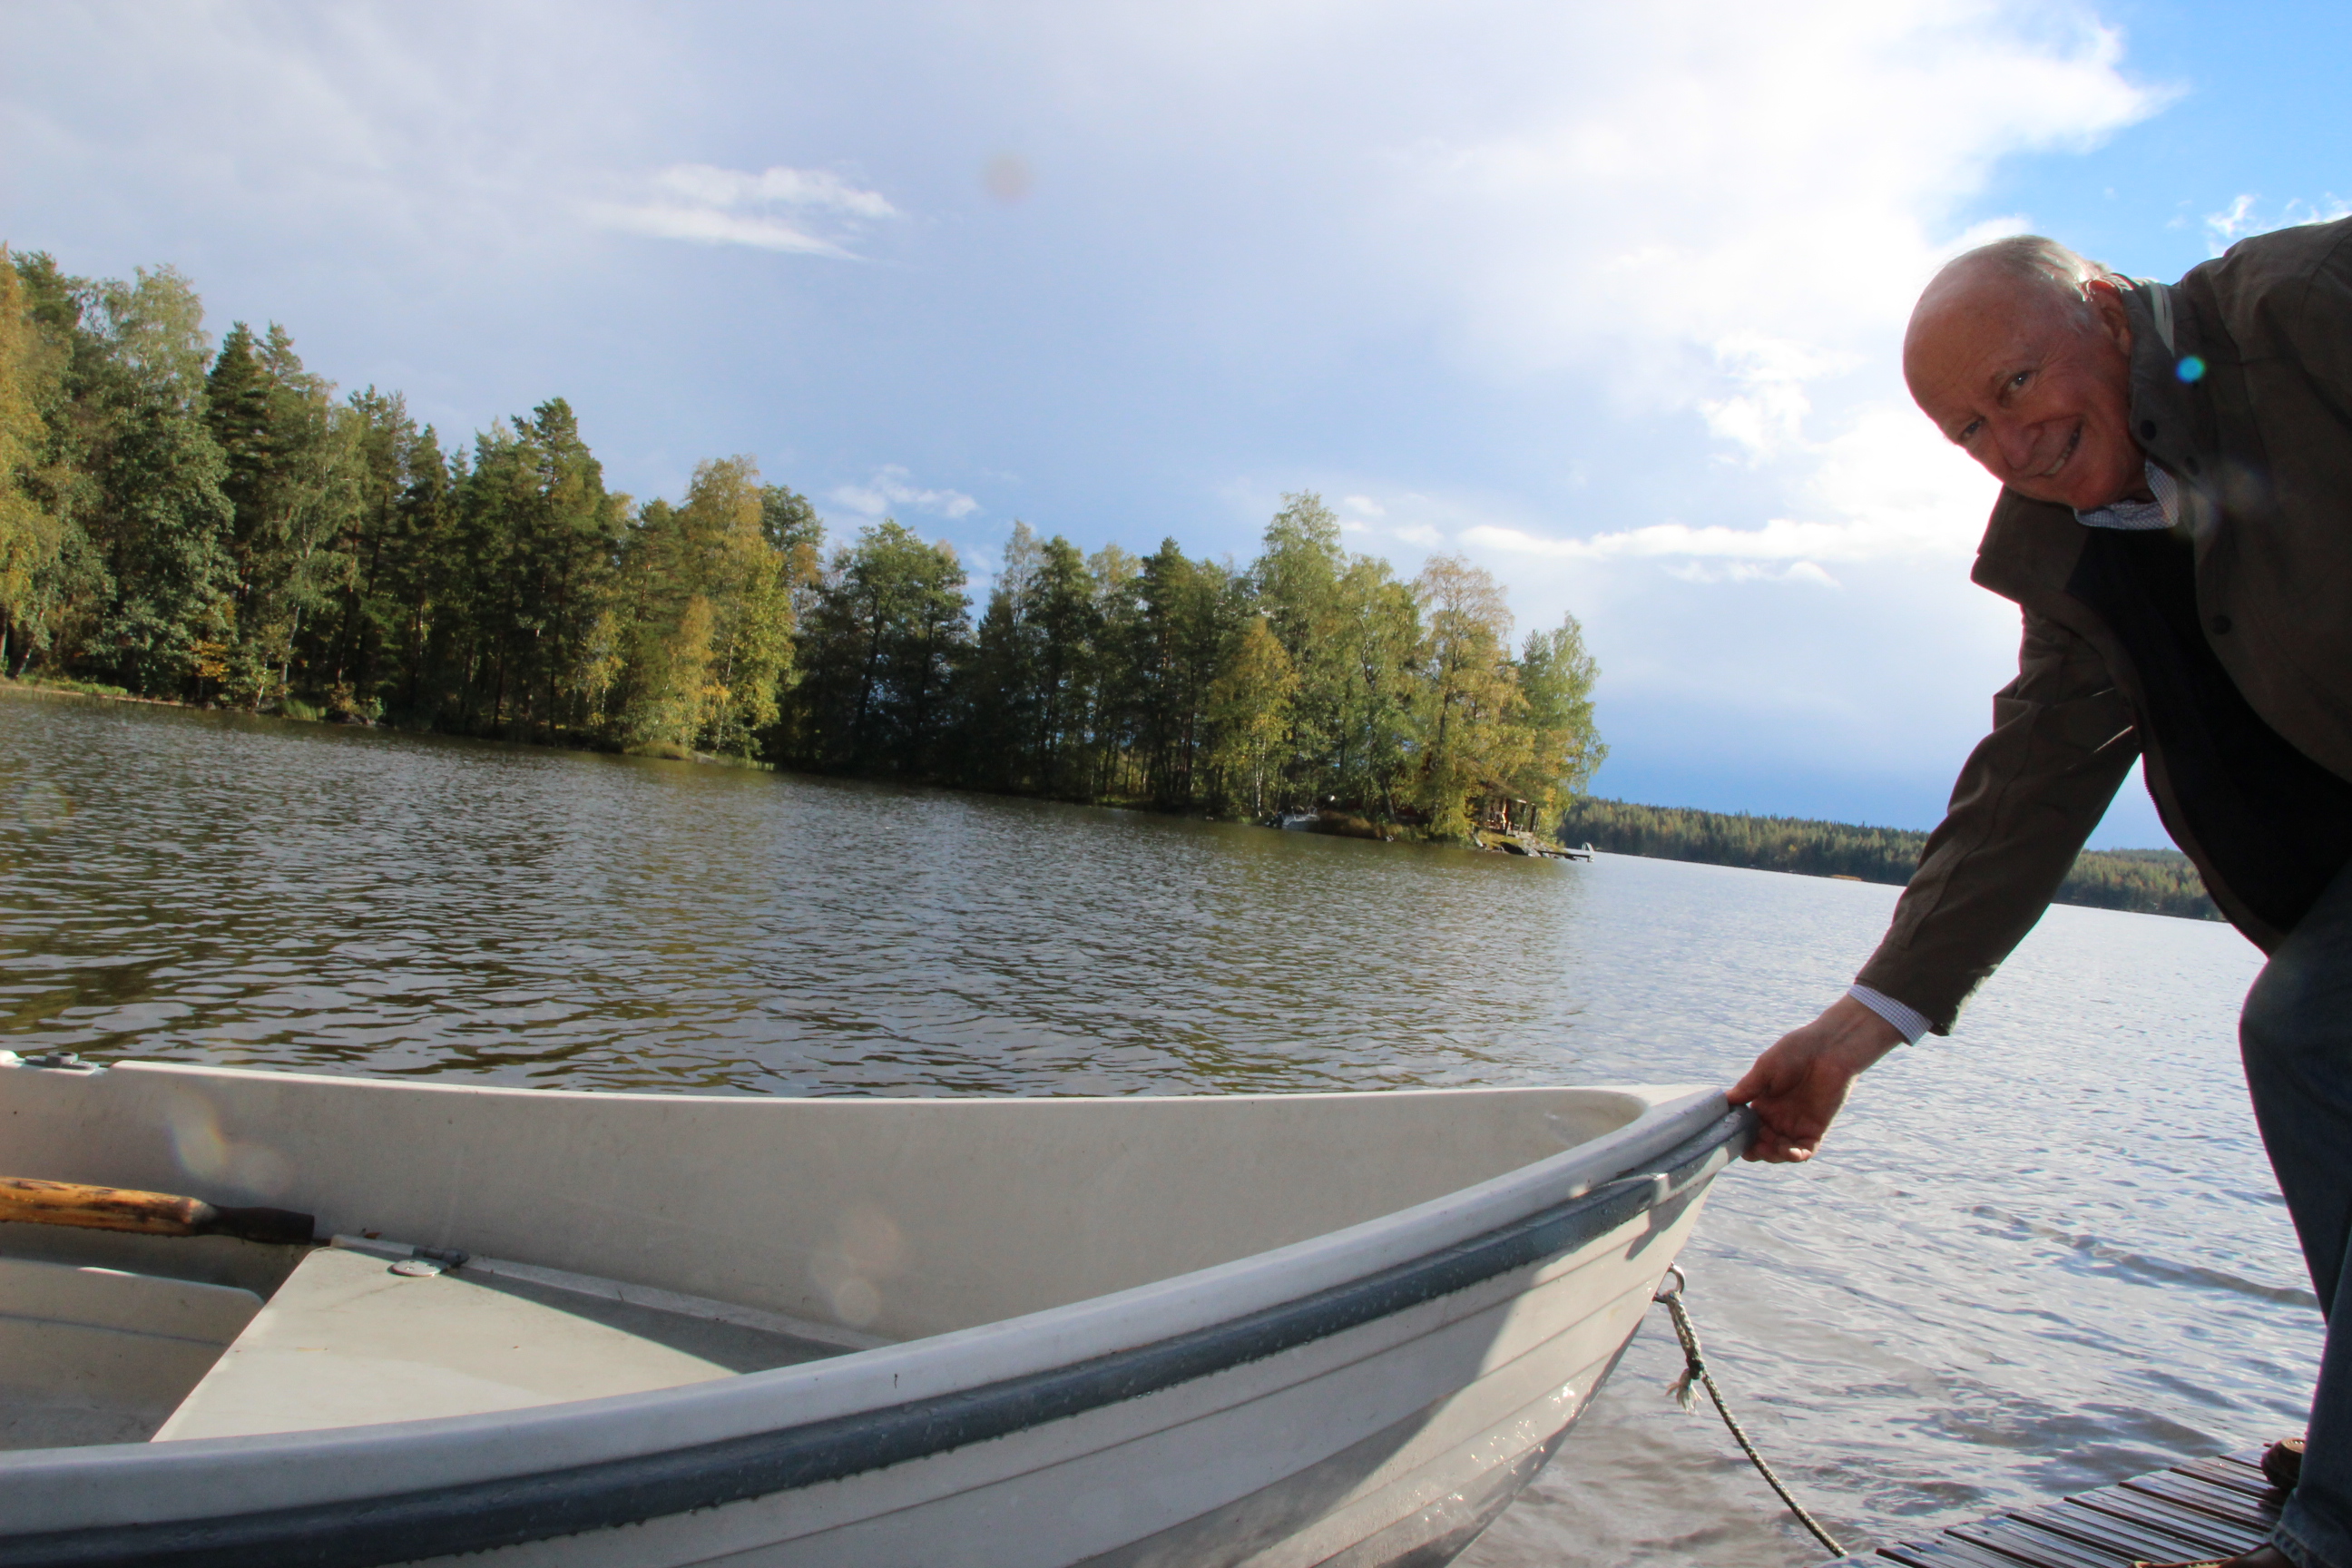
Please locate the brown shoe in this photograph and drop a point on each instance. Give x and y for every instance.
(2282, 1463)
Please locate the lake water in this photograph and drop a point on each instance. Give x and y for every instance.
(2043, 1254)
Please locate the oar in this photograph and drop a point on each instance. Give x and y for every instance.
(30, 1201)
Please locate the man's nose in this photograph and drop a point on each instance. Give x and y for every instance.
(2013, 440)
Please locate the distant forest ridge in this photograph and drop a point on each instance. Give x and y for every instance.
(2146, 881)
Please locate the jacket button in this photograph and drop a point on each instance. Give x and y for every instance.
(2220, 623)
(2147, 429)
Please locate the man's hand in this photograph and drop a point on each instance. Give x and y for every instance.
(1800, 1081)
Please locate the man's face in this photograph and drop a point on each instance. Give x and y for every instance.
(2032, 386)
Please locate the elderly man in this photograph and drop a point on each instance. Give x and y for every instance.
(2175, 522)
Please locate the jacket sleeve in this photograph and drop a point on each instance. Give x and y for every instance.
(2028, 796)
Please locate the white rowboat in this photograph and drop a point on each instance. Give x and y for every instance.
(594, 1329)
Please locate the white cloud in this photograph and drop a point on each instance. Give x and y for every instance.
(1890, 488)
(1752, 572)
(708, 206)
(1724, 215)
(793, 188)
(1767, 414)
(2242, 217)
(890, 491)
(1722, 175)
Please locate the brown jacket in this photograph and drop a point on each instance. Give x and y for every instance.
(2262, 446)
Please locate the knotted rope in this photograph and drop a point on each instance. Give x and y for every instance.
(1694, 1369)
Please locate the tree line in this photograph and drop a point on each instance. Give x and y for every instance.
(214, 524)
(2149, 881)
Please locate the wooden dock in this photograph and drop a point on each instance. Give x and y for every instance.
(2205, 1508)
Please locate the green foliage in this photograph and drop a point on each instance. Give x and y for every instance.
(887, 629)
(1473, 719)
(1254, 703)
(2149, 881)
(218, 526)
(696, 640)
(31, 532)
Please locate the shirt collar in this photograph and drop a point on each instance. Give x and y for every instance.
(2140, 516)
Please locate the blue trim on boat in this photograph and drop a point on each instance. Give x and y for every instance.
(509, 1510)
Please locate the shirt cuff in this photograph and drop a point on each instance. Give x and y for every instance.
(1912, 1022)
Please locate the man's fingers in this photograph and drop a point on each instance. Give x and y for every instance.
(1765, 1077)
(1778, 1136)
(1773, 1149)
(1786, 1131)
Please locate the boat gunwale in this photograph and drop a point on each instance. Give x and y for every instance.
(598, 1494)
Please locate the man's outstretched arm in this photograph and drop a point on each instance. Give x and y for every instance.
(1800, 1081)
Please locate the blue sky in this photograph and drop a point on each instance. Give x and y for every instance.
(1607, 301)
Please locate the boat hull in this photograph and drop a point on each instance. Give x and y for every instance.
(1371, 1397)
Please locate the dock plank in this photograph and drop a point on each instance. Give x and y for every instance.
(2134, 1537)
(2148, 1530)
(2246, 1480)
(2027, 1543)
(2215, 1507)
(2196, 1492)
(1949, 1552)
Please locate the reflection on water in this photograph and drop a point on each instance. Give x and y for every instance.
(2039, 1256)
(277, 895)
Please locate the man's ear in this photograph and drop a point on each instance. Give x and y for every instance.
(2107, 304)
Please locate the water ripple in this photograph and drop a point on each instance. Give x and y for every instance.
(2041, 1255)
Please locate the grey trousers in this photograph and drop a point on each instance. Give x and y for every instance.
(2296, 1037)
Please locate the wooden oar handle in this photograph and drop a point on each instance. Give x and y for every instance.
(31, 1201)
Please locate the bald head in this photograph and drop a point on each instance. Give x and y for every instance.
(2021, 352)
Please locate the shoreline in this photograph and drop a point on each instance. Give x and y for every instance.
(2091, 884)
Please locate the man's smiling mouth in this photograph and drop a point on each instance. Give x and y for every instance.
(2072, 442)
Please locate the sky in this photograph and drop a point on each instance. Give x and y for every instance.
(1607, 299)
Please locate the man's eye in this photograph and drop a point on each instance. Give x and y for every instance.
(1969, 431)
(2020, 378)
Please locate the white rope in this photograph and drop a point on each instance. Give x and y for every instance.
(1694, 1369)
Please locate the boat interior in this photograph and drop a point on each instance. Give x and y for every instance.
(484, 1249)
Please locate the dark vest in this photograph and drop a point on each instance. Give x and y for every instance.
(2277, 825)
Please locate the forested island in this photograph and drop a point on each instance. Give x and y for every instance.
(2149, 881)
(216, 526)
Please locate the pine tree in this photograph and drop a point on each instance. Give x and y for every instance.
(160, 519)
(883, 645)
(1297, 579)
